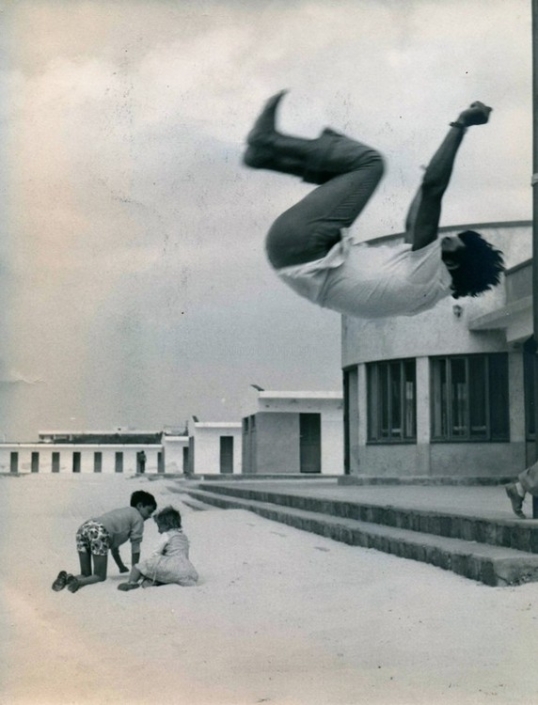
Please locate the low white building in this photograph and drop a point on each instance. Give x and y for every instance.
(214, 448)
(119, 451)
(293, 433)
(176, 453)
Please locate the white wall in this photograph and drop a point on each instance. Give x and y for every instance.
(173, 452)
(207, 447)
(332, 442)
(330, 406)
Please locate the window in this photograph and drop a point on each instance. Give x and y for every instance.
(469, 396)
(391, 401)
(249, 423)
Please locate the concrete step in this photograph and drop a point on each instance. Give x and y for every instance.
(509, 533)
(192, 503)
(421, 480)
(491, 565)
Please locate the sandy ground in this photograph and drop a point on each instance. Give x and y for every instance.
(281, 616)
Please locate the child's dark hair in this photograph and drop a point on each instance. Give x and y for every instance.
(168, 518)
(144, 498)
(479, 266)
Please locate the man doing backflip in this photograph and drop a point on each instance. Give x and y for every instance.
(309, 247)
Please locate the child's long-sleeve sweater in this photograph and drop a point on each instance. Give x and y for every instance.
(123, 524)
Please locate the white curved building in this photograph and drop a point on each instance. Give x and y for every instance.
(446, 392)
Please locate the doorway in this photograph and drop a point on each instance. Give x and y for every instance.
(226, 455)
(310, 443)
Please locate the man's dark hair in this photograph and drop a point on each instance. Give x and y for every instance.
(479, 266)
(144, 498)
(168, 518)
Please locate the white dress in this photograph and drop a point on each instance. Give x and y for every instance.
(170, 562)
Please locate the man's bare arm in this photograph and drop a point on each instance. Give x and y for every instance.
(424, 215)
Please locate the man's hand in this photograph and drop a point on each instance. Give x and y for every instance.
(476, 114)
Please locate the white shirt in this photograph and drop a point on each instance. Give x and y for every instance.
(367, 281)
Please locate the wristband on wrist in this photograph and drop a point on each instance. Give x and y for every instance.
(459, 125)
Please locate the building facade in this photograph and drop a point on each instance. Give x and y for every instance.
(122, 451)
(214, 448)
(294, 433)
(447, 392)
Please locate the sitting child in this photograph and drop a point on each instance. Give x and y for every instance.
(96, 536)
(170, 560)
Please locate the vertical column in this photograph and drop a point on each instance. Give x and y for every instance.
(423, 459)
(516, 404)
(361, 406)
(351, 416)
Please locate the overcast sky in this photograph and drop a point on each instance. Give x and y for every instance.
(135, 290)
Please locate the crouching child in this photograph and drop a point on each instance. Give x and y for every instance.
(96, 537)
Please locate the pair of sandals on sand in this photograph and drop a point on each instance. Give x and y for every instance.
(67, 580)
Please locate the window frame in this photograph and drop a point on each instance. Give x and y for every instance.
(381, 418)
(492, 415)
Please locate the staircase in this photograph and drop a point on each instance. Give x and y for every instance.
(495, 552)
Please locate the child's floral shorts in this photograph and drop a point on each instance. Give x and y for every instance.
(92, 537)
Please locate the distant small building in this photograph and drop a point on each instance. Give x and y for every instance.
(293, 433)
(121, 451)
(176, 452)
(215, 448)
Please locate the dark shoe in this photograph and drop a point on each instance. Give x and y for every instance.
(258, 158)
(128, 586)
(72, 583)
(516, 500)
(263, 158)
(264, 127)
(61, 581)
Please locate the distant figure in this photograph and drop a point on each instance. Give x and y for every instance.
(311, 254)
(170, 562)
(108, 532)
(141, 458)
